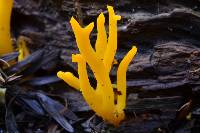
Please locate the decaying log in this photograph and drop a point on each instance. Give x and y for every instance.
(142, 114)
(166, 70)
(134, 104)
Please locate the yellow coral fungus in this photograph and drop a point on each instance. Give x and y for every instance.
(102, 99)
(5, 39)
(22, 48)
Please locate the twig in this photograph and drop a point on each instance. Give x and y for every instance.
(5, 76)
(5, 62)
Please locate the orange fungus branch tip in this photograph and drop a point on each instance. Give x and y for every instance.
(102, 98)
(5, 38)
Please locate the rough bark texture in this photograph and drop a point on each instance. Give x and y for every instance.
(164, 74)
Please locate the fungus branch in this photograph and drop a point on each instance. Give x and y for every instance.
(100, 60)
